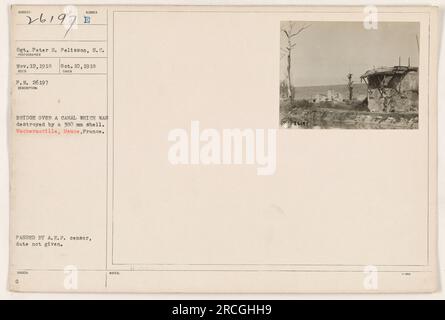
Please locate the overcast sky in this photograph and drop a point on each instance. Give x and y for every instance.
(327, 51)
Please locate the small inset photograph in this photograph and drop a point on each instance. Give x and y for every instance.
(348, 75)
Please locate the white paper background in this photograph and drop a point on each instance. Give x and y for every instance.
(4, 183)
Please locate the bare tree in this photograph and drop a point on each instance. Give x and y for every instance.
(350, 86)
(291, 30)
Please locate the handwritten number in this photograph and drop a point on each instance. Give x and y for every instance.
(74, 18)
(31, 20)
(61, 18)
(42, 18)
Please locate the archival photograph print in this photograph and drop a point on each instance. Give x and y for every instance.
(346, 75)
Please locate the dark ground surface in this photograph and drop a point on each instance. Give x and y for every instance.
(343, 115)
